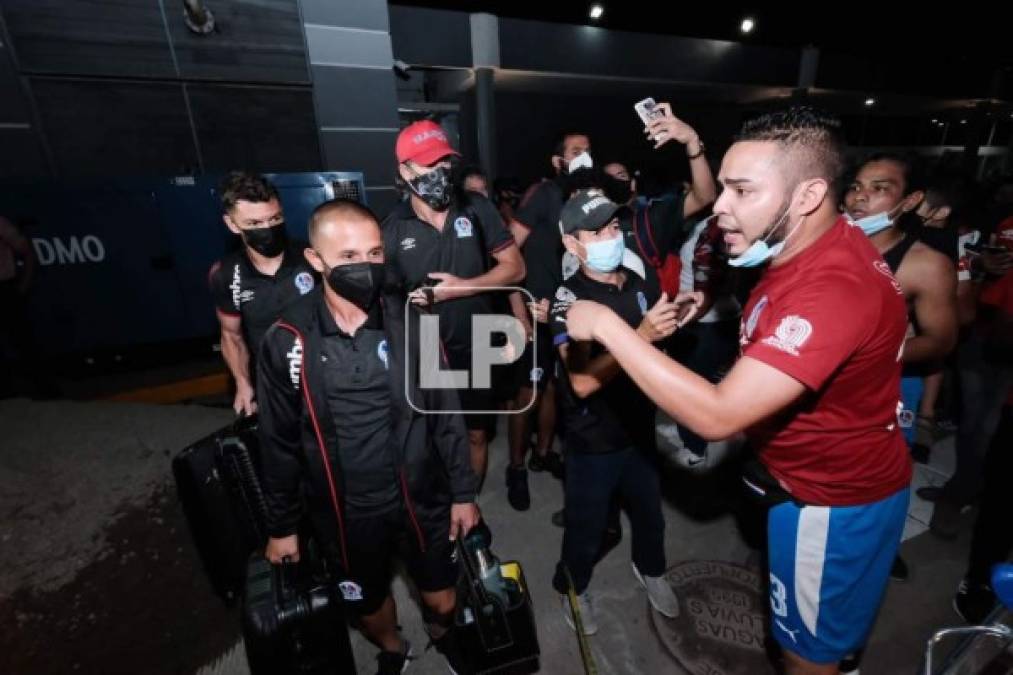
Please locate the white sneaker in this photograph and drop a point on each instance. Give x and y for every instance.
(659, 592)
(586, 608)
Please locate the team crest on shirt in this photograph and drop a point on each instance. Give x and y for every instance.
(408, 244)
(884, 269)
(304, 282)
(537, 374)
(463, 227)
(642, 301)
(906, 418)
(383, 352)
(350, 590)
(754, 317)
(564, 298)
(791, 335)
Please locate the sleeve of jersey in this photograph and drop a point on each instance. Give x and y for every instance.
(221, 294)
(497, 236)
(279, 405)
(531, 208)
(393, 277)
(710, 269)
(557, 315)
(814, 331)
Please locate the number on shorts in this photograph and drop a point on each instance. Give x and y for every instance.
(778, 597)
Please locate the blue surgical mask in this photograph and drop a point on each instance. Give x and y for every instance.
(877, 222)
(759, 252)
(605, 256)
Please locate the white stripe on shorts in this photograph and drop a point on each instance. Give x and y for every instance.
(810, 553)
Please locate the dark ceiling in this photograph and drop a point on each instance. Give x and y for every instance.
(939, 49)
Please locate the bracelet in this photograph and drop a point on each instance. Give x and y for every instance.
(703, 148)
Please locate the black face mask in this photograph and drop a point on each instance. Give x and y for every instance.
(267, 241)
(434, 188)
(359, 283)
(581, 179)
(616, 189)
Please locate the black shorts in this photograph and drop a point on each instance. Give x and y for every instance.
(537, 364)
(373, 544)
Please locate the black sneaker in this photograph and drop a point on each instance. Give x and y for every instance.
(550, 461)
(973, 602)
(899, 571)
(394, 663)
(930, 493)
(517, 488)
(559, 518)
(449, 647)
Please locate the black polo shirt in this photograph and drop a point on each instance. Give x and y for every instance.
(664, 230)
(413, 249)
(357, 387)
(618, 415)
(543, 249)
(239, 289)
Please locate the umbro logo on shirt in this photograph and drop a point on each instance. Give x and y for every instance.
(236, 286)
(295, 362)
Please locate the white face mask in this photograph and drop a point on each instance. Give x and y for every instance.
(581, 161)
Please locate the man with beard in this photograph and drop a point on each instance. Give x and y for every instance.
(445, 249)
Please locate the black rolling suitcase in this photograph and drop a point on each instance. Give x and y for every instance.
(294, 620)
(216, 479)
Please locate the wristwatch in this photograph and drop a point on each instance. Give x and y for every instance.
(700, 152)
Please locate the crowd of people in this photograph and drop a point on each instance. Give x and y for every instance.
(837, 319)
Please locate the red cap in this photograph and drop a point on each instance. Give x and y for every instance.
(424, 143)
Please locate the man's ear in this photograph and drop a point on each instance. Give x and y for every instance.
(814, 192)
(233, 228)
(942, 213)
(571, 244)
(557, 163)
(912, 201)
(313, 258)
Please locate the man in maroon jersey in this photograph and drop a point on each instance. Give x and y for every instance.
(816, 389)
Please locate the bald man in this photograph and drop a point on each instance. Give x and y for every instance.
(343, 446)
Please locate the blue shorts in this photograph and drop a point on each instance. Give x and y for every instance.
(911, 389)
(829, 567)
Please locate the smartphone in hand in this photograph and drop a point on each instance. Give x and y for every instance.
(648, 111)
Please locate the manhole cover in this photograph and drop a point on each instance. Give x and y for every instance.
(720, 628)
